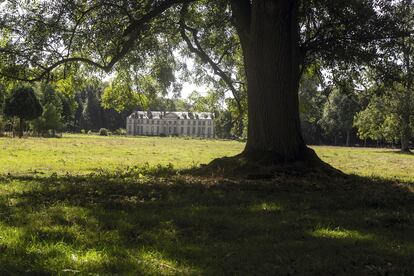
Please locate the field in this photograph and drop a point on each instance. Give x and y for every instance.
(104, 205)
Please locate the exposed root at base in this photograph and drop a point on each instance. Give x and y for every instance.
(240, 166)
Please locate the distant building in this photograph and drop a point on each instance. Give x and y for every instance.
(160, 123)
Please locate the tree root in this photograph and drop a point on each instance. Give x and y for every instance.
(266, 167)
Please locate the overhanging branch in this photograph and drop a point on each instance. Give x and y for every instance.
(199, 51)
(130, 36)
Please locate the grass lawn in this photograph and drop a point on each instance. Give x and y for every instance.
(101, 205)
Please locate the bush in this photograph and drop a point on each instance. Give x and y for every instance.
(83, 131)
(90, 132)
(120, 131)
(103, 132)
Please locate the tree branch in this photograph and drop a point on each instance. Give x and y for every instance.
(199, 51)
(130, 36)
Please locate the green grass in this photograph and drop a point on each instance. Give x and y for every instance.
(80, 154)
(132, 218)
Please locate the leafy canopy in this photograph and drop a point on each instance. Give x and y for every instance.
(23, 103)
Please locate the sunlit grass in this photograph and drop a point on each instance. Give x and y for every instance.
(129, 218)
(80, 154)
(83, 154)
(371, 162)
(339, 233)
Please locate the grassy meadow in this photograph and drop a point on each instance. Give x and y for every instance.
(86, 204)
(85, 154)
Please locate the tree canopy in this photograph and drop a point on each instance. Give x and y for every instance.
(23, 104)
(256, 50)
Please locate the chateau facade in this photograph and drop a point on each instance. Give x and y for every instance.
(164, 123)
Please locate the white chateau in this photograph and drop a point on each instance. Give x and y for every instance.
(153, 123)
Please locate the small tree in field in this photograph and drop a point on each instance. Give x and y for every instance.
(50, 120)
(23, 104)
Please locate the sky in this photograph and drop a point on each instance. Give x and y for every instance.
(190, 87)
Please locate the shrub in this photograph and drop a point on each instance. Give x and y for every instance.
(83, 131)
(103, 132)
(120, 131)
(90, 132)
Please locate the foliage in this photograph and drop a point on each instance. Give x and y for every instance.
(50, 120)
(382, 118)
(120, 131)
(103, 132)
(338, 114)
(23, 103)
(121, 96)
(146, 43)
(311, 99)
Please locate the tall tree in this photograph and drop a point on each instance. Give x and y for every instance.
(338, 114)
(387, 117)
(23, 104)
(276, 39)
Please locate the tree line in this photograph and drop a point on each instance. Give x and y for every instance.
(336, 112)
(258, 51)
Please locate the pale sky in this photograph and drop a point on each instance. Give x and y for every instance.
(190, 87)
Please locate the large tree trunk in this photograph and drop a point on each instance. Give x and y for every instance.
(272, 61)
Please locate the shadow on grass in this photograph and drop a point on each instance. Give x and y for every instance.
(171, 224)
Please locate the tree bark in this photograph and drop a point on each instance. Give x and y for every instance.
(21, 126)
(272, 62)
(405, 131)
(348, 137)
(404, 144)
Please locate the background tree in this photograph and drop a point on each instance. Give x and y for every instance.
(49, 121)
(338, 115)
(383, 118)
(259, 47)
(23, 104)
(313, 94)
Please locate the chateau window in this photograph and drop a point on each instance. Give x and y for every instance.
(158, 129)
(175, 130)
(158, 122)
(204, 123)
(147, 121)
(209, 122)
(194, 123)
(182, 122)
(194, 130)
(182, 130)
(188, 130)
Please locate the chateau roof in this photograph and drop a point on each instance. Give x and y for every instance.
(171, 115)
